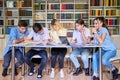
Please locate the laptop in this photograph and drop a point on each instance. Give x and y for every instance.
(64, 40)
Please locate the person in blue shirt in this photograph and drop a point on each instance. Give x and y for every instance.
(17, 35)
(101, 34)
(38, 35)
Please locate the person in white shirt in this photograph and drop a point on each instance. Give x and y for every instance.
(38, 35)
(80, 35)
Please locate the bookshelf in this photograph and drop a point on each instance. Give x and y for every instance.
(11, 11)
(66, 11)
(110, 9)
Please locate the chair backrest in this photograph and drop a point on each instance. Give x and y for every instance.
(116, 40)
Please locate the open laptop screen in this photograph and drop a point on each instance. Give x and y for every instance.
(64, 40)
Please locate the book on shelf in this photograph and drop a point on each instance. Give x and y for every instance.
(11, 22)
(112, 21)
(114, 12)
(96, 2)
(95, 12)
(39, 6)
(112, 3)
(50, 16)
(54, 7)
(81, 16)
(67, 6)
(81, 6)
(25, 13)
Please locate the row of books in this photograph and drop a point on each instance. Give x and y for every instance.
(10, 22)
(115, 12)
(112, 2)
(25, 13)
(11, 13)
(71, 6)
(39, 6)
(19, 3)
(95, 12)
(14, 22)
(62, 16)
(96, 2)
(81, 16)
(111, 21)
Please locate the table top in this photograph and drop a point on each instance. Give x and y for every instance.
(44, 45)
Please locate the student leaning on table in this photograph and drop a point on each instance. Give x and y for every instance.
(56, 31)
(17, 35)
(36, 36)
(80, 35)
(102, 36)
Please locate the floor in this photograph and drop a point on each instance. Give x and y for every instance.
(68, 76)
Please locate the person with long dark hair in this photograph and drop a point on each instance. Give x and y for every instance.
(101, 34)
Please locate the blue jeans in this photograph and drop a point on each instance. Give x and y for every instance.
(31, 53)
(106, 55)
(84, 56)
(7, 58)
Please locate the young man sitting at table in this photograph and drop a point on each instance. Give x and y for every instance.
(80, 35)
(17, 35)
(37, 35)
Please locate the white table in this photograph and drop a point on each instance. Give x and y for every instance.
(54, 46)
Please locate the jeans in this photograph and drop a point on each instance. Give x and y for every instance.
(31, 53)
(106, 55)
(7, 58)
(84, 56)
(60, 53)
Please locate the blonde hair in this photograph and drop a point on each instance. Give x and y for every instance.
(57, 24)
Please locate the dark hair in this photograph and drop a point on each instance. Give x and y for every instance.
(37, 27)
(22, 23)
(53, 22)
(102, 19)
(80, 21)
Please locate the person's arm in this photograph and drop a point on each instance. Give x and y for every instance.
(13, 36)
(99, 38)
(17, 41)
(85, 35)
